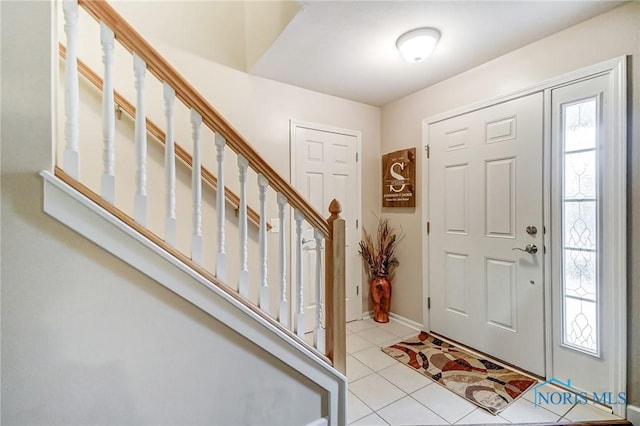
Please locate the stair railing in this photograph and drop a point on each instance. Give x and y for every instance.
(329, 335)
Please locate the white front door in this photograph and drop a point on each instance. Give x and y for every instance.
(485, 199)
(324, 167)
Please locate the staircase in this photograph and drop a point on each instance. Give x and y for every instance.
(146, 200)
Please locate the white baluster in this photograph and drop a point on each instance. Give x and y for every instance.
(299, 288)
(243, 280)
(318, 336)
(283, 316)
(71, 156)
(140, 212)
(264, 286)
(170, 167)
(221, 262)
(108, 185)
(196, 189)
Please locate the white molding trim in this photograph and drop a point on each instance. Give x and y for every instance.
(618, 240)
(616, 67)
(397, 318)
(633, 414)
(426, 321)
(295, 124)
(88, 219)
(320, 422)
(406, 321)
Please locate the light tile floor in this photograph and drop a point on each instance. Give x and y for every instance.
(383, 391)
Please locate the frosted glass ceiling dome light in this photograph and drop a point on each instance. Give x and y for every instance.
(417, 45)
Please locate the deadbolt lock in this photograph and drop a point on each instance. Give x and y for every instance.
(532, 230)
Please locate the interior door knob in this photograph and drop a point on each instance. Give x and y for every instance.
(529, 248)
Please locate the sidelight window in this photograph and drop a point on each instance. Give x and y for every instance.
(580, 202)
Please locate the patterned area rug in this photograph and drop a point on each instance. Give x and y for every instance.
(481, 381)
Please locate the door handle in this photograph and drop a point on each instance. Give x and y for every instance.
(529, 248)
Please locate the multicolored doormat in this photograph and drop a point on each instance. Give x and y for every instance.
(478, 380)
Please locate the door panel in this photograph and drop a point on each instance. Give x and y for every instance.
(485, 188)
(325, 168)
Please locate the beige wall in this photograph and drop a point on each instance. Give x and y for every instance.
(604, 37)
(258, 108)
(85, 338)
(230, 32)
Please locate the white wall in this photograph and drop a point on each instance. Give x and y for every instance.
(85, 338)
(604, 37)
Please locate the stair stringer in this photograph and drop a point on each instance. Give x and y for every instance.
(82, 215)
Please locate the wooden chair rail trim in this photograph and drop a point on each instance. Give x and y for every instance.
(160, 136)
(129, 221)
(158, 66)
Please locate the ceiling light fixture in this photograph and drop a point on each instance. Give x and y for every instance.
(418, 44)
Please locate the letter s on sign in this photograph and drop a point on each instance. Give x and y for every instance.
(397, 176)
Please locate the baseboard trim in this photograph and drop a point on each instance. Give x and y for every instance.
(633, 414)
(320, 422)
(398, 318)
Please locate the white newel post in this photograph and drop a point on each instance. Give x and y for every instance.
(283, 313)
(140, 212)
(243, 280)
(298, 217)
(108, 185)
(170, 167)
(221, 262)
(264, 286)
(319, 336)
(196, 189)
(71, 156)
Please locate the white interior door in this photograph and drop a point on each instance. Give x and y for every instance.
(324, 167)
(485, 191)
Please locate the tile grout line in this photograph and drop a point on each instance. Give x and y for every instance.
(370, 331)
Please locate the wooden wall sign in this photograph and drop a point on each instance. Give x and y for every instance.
(399, 178)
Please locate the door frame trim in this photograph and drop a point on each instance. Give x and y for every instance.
(615, 67)
(295, 124)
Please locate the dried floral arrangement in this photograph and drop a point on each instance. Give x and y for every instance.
(380, 255)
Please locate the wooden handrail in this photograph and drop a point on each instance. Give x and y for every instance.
(128, 220)
(333, 229)
(165, 72)
(160, 136)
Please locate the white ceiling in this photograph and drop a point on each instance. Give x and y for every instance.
(347, 48)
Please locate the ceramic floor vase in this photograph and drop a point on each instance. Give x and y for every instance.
(380, 290)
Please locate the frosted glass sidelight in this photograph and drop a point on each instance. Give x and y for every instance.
(580, 225)
(580, 175)
(579, 125)
(580, 323)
